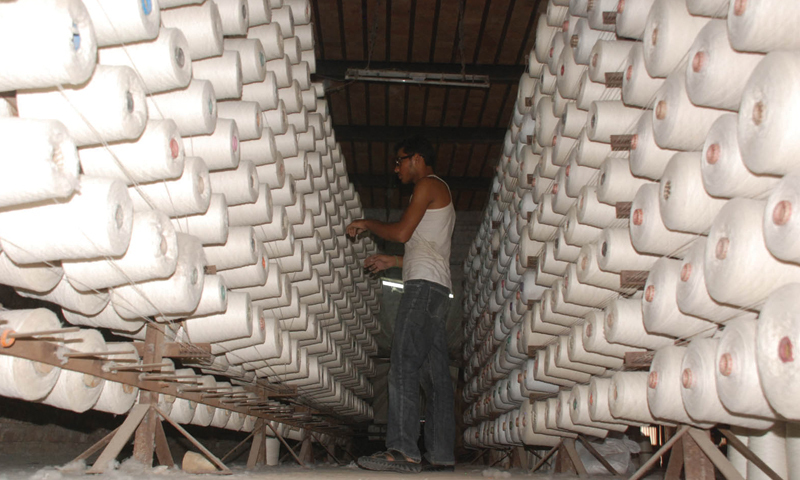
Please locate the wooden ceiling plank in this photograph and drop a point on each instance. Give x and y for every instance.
(473, 106)
(388, 31)
(378, 160)
(397, 104)
(446, 32)
(342, 21)
(527, 41)
(380, 133)
(475, 161)
(435, 105)
(491, 159)
(339, 104)
(411, 28)
(349, 157)
(454, 112)
(330, 27)
(417, 99)
(402, 30)
(434, 30)
(376, 13)
(422, 35)
(361, 157)
(494, 102)
(359, 104)
(352, 24)
(509, 104)
(445, 105)
(473, 19)
(485, 17)
(461, 157)
(517, 29)
(503, 37)
(319, 44)
(376, 108)
(444, 158)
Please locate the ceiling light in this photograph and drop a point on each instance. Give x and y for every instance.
(418, 78)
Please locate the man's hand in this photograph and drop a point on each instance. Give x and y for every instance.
(355, 228)
(377, 263)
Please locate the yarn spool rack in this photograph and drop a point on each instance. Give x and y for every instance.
(144, 423)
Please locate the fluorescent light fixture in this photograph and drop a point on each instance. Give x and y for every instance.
(393, 284)
(418, 78)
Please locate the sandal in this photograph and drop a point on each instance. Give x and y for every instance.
(389, 461)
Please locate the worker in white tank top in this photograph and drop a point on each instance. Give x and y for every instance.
(419, 347)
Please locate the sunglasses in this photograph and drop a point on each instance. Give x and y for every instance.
(399, 160)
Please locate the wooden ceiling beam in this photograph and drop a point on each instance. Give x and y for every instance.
(363, 133)
(502, 74)
(391, 181)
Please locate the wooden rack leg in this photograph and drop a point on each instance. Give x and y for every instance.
(577, 464)
(145, 441)
(307, 450)
(97, 446)
(597, 455)
(501, 458)
(163, 454)
(120, 439)
(216, 461)
(238, 446)
(661, 451)
(479, 456)
(697, 464)
(283, 441)
(546, 457)
(675, 464)
(748, 454)
(702, 439)
(257, 446)
(327, 450)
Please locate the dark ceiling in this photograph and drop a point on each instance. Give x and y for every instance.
(467, 125)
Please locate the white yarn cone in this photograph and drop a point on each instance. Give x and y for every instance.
(616, 252)
(664, 383)
(25, 379)
(624, 325)
(95, 221)
(176, 294)
(188, 195)
(67, 62)
(660, 312)
(201, 25)
(151, 254)
(716, 74)
(194, 108)
(616, 184)
(39, 162)
(699, 388)
(610, 118)
(74, 390)
(692, 294)
(738, 382)
(239, 185)
(36, 277)
(777, 335)
(647, 159)
(224, 72)
(163, 64)
(668, 34)
(723, 170)
(627, 397)
(211, 228)
(254, 60)
(684, 204)
(648, 232)
(117, 23)
(736, 245)
(762, 27)
(766, 130)
(110, 106)
(118, 398)
(632, 18)
(219, 150)
(157, 155)
(678, 123)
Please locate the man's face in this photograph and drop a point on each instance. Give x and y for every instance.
(402, 165)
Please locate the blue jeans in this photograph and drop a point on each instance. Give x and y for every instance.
(419, 355)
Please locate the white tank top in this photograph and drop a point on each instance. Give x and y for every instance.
(427, 253)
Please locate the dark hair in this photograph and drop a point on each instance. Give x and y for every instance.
(420, 146)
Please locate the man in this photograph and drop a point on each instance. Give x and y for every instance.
(419, 347)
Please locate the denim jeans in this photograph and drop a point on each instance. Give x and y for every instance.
(419, 355)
